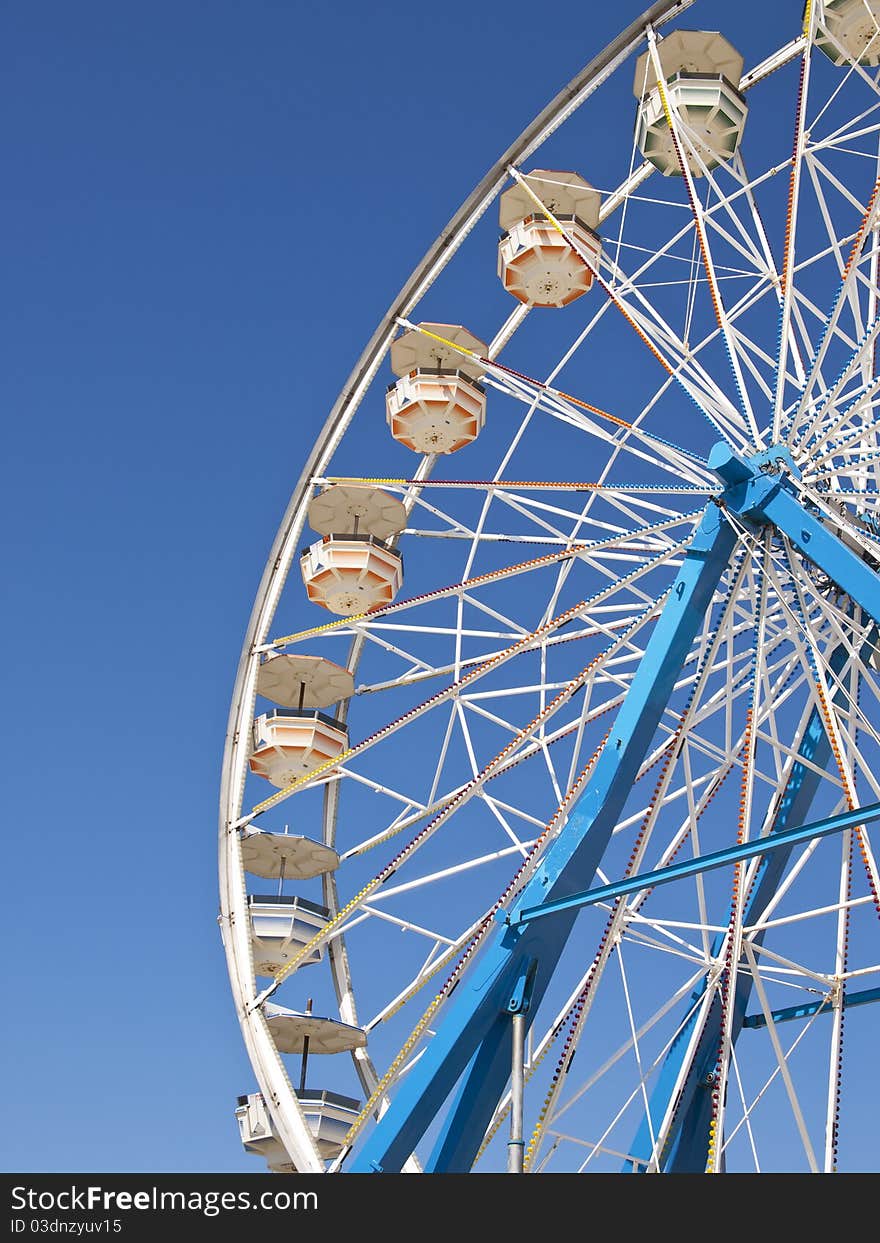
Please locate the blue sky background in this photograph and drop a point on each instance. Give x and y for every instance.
(206, 209)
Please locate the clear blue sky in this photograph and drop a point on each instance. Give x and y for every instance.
(173, 336)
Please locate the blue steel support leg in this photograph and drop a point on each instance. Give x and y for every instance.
(688, 1154)
(764, 499)
(687, 1145)
(484, 1083)
(686, 1148)
(470, 1022)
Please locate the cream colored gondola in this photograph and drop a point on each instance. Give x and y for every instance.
(437, 405)
(701, 73)
(291, 745)
(852, 29)
(537, 263)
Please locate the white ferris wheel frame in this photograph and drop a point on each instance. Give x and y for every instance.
(272, 1079)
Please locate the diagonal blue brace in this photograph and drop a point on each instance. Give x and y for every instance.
(472, 1034)
(686, 1151)
(864, 998)
(777, 840)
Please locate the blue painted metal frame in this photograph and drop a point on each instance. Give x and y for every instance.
(470, 1047)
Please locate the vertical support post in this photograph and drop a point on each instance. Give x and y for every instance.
(281, 869)
(518, 1005)
(515, 1144)
(305, 1053)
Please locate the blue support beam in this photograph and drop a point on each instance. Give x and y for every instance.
(705, 863)
(864, 998)
(472, 1033)
(686, 1149)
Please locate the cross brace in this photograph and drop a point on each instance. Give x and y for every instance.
(706, 863)
(866, 997)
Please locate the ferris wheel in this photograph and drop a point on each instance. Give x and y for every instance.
(553, 757)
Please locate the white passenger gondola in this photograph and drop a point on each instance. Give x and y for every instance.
(701, 75)
(348, 574)
(536, 263)
(852, 31)
(289, 745)
(438, 404)
(329, 1117)
(258, 1135)
(280, 927)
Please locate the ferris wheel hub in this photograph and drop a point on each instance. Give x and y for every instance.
(733, 470)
